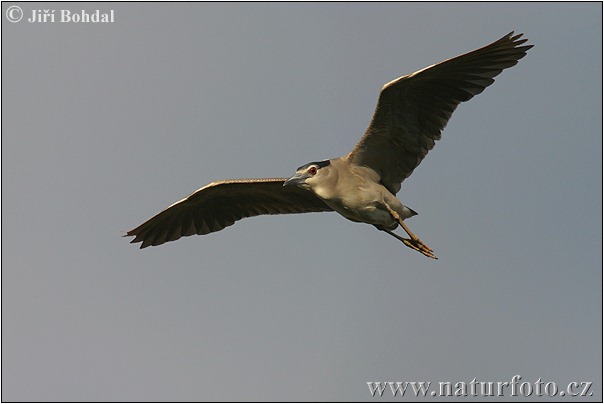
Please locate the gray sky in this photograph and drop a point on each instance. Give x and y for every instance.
(104, 125)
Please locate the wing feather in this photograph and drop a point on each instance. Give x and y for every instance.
(221, 204)
(413, 110)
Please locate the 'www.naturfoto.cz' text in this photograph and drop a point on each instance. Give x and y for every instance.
(474, 388)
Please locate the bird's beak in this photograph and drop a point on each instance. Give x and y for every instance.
(297, 179)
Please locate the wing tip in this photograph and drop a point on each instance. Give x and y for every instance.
(517, 40)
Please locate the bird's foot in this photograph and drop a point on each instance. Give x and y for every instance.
(419, 245)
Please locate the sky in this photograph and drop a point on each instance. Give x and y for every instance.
(104, 125)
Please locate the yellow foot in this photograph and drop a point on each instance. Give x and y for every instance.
(419, 245)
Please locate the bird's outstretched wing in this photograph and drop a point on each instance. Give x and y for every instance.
(413, 110)
(220, 204)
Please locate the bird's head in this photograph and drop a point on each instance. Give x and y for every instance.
(311, 176)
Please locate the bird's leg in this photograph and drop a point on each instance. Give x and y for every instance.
(416, 244)
(413, 242)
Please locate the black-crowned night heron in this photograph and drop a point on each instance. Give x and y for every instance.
(411, 113)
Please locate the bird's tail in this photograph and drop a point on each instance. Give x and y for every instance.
(408, 212)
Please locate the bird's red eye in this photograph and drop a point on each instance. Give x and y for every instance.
(312, 170)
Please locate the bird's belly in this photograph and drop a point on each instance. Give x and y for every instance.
(371, 214)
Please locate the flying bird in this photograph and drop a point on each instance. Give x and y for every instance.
(361, 186)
